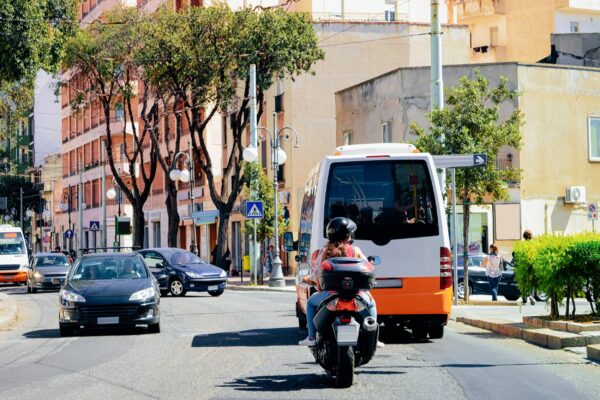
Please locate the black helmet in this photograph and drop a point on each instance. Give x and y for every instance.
(340, 229)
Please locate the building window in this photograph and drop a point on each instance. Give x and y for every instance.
(386, 132)
(119, 112)
(494, 36)
(594, 138)
(574, 27)
(348, 138)
(390, 10)
(156, 231)
(337, 8)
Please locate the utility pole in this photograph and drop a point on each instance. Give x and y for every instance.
(103, 194)
(437, 83)
(80, 208)
(255, 250)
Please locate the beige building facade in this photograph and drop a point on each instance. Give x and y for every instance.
(560, 156)
(517, 30)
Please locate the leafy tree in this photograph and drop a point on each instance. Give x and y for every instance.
(212, 59)
(470, 124)
(13, 184)
(32, 35)
(102, 58)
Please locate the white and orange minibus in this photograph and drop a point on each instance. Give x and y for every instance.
(392, 193)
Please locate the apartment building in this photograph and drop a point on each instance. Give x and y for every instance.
(517, 30)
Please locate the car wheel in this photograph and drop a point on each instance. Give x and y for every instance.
(33, 288)
(176, 287)
(154, 328)
(540, 296)
(301, 318)
(436, 331)
(460, 289)
(65, 330)
(216, 293)
(511, 297)
(164, 292)
(419, 332)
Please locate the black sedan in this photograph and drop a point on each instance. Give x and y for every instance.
(47, 271)
(478, 283)
(111, 289)
(179, 271)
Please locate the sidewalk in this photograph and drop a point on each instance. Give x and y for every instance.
(8, 311)
(239, 284)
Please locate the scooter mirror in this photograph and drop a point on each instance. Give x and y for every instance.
(375, 260)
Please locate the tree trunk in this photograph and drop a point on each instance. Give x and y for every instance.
(173, 214)
(223, 237)
(574, 308)
(466, 210)
(138, 225)
(568, 299)
(554, 306)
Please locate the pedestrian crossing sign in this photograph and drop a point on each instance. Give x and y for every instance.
(254, 209)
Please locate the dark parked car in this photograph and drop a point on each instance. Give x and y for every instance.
(478, 283)
(47, 271)
(179, 271)
(110, 289)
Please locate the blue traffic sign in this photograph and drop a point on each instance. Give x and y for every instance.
(254, 209)
(69, 233)
(479, 159)
(94, 225)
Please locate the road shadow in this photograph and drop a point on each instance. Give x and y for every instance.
(86, 332)
(485, 335)
(280, 383)
(398, 335)
(250, 338)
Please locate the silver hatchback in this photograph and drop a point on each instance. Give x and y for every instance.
(47, 271)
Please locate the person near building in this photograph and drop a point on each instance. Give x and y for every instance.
(193, 246)
(493, 270)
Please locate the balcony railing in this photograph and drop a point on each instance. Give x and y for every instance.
(388, 16)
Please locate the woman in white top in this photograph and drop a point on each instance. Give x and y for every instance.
(493, 270)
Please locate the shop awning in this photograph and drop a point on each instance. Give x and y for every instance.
(205, 217)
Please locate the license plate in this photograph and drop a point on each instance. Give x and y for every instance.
(108, 320)
(211, 288)
(57, 281)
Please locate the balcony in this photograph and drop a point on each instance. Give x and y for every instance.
(480, 8)
(580, 5)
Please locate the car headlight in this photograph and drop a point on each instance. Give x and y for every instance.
(38, 275)
(193, 275)
(71, 297)
(143, 294)
(223, 274)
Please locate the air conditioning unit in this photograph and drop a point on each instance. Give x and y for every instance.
(575, 195)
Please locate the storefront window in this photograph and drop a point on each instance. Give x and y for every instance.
(478, 233)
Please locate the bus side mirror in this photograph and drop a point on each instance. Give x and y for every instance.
(288, 241)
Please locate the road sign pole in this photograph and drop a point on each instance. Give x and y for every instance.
(454, 237)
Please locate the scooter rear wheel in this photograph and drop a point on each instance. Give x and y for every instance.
(345, 371)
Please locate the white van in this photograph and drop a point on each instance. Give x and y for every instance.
(14, 258)
(392, 193)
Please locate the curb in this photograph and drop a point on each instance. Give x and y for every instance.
(245, 288)
(8, 311)
(543, 337)
(593, 352)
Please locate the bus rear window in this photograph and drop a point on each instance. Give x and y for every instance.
(387, 199)
(12, 243)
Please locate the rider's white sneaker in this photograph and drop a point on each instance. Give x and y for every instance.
(309, 341)
(380, 344)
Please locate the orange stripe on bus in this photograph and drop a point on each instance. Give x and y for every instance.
(420, 295)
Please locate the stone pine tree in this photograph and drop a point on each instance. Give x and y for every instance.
(101, 59)
(471, 123)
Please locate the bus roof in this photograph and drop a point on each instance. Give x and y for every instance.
(375, 149)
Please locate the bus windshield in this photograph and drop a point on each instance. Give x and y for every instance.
(12, 243)
(386, 199)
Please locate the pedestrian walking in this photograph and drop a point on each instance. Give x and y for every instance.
(193, 247)
(269, 257)
(493, 270)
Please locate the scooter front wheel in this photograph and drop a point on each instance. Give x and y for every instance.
(345, 368)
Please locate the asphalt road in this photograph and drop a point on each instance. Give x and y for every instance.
(244, 345)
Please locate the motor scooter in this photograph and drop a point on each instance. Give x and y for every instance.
(346, 333)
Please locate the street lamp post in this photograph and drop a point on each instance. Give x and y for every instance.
(112, 193)
(65, 206)
(186, 175)
(278, 157)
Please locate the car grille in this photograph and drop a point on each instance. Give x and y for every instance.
(112, 310)
(208, 282)
(55, 275)
(9, 267)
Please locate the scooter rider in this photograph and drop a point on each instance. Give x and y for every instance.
(340, 232)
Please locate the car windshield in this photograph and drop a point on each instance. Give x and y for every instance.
(12, 243)
(181, 257)
(103, 268)
(51, 261)
(387, 199)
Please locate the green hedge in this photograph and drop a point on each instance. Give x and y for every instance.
(562, 267)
